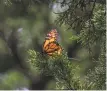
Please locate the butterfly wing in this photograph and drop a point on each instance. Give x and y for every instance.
(52, 34)
(51, 37)
(52, 48)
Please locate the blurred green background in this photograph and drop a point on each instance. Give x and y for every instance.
(31, 20)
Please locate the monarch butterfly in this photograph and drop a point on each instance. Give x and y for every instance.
(51, 46)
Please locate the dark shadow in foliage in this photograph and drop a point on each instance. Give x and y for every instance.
(72, 49)
(40, 82)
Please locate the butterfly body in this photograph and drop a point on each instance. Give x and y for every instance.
(51, 46)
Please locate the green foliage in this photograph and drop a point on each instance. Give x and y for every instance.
(63, 70)
(92, 35)
(98, 74)
(13, 80)
(94, 29)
